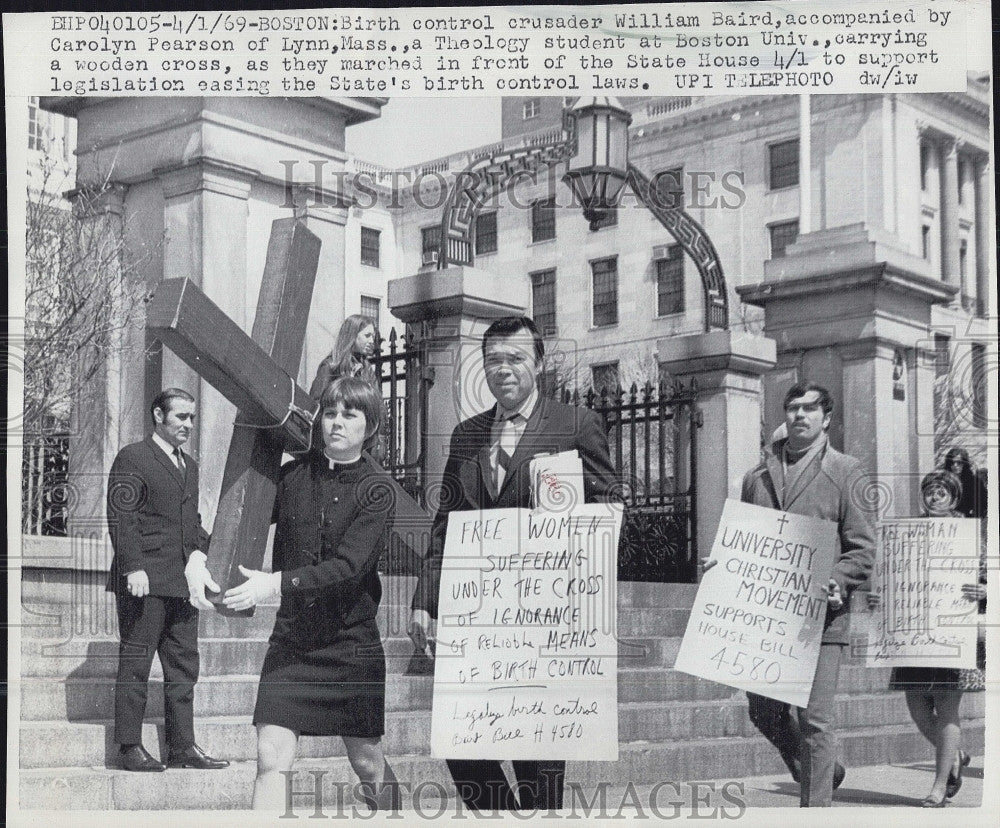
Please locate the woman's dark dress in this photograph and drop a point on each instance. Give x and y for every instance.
(324, 672)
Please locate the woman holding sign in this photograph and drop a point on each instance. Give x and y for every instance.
(934, 694)
(324, 672)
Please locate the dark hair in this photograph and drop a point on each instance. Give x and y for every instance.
(958, 453)
(343, 352)
(165, 398)
(800, 389)
(355, 393)
(510, 325)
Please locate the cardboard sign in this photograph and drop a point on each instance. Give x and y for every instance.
(757, 620)
(924, 620)
(526, 663)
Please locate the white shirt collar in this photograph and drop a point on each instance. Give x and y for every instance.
(524, 409)
(163, 444)
(334, 463)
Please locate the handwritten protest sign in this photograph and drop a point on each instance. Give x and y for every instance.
(526, 663)
(923, 619)
(757, 620)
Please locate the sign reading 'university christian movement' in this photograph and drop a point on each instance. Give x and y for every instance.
(526, 663)
(757, 620)
(924, 620)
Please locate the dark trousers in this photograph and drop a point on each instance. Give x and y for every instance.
(807, 742)
(483, 787)
(169, 627)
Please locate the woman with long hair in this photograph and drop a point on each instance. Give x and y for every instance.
(351, 355)
(324, 671)
(934, 694)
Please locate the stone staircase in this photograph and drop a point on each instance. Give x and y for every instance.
(672, 726)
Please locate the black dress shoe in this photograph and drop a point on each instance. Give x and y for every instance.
(954, 784)
(195, 757)
(136, 758)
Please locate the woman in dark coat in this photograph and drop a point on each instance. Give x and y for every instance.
(324, 672)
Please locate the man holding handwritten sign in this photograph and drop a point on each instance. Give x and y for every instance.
(806, 476)
(489, 468)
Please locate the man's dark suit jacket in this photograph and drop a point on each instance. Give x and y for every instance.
(830, 487)
(468, 474)
(153, 518)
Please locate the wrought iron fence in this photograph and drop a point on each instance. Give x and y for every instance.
(400, 363)
(652, 434)
(44, 471)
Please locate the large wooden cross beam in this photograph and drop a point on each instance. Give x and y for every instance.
(255, 373)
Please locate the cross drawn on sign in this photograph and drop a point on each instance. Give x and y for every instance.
(255, 374)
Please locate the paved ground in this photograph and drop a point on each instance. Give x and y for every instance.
(877, 785)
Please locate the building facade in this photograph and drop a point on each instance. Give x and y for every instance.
(790, 189)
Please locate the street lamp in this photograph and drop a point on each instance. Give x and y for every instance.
(597, 171)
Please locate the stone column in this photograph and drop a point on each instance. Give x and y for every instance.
(982, 182)
(97, 412)
(205, 222)
(326, 216)
(459, 303)
(949, 212)
(727, 367)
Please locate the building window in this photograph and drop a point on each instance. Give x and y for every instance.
(670, 282)
(430, 243)
(543, 300)
(783, 169)
(942, 354)
(532, 108)
(668, 188)
(783, 234)
(369, 246)
(604, 378)
(605, 291)
(963, 257)
(36, 130)
(925, 242)
(924, 162)
(486, 233)
(370, 306)
(961, 178)
(978, 395)
(610, 219)
(543, 220)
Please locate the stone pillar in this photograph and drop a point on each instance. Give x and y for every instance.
(459, 303)
(205, 222)
(949, 212)
(727, 366)
(327, 218)
(841, 306)
(982, 182)
(97, 416)
(205, 178)
(805, 165)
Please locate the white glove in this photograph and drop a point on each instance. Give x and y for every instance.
(198, 577)
(257, 588)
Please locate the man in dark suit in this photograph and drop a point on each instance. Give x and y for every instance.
(158, 565)
(806, 476)
(488, 468)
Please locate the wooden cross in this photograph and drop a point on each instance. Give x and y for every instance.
(255, 373)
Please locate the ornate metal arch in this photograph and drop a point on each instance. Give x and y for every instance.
(492, 174)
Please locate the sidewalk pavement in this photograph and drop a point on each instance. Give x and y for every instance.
(893, 786)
